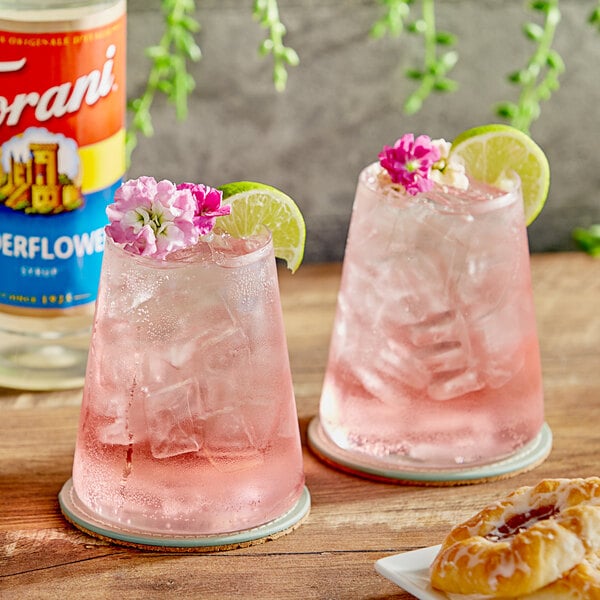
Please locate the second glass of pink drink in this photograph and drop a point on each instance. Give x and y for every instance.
(434, 361)
(188, 424)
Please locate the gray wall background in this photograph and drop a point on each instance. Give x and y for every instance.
(343, 103)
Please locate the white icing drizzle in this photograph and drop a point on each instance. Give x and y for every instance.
(524, 502)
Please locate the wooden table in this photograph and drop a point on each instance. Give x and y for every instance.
(353, 522)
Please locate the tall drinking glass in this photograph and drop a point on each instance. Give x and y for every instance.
(434, 367)
(188, 435)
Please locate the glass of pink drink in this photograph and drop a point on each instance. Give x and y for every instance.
(188, 425)
(434, 361)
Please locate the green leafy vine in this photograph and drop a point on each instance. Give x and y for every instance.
(266, 12)
(177, 48)
(540, 77)
(392, 21)
(169, 71)
(588, 239)
(537, 81)
(594, 17)
(438, 57)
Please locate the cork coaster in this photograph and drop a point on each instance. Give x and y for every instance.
(81, 517)
(526, 459)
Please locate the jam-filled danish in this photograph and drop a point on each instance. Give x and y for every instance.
(522, 543)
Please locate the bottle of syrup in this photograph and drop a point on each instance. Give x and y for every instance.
(62, 156)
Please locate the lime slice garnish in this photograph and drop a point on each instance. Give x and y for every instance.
(490, 151)
(256, 204)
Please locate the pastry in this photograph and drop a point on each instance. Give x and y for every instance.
(580, 583)
(522, 543)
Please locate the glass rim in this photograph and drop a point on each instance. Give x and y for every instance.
(187, 257)
(446, 199)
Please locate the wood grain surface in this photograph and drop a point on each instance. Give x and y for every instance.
(353, 522)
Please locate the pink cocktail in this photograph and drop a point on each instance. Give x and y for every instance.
(434, 360)
(188, 424)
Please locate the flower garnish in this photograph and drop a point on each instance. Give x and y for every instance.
(208, 205)
(448, 170)
(409, 162)
(418, 164)
(153, 218)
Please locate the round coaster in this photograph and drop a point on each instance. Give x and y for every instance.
(79, 515)
(525, 459)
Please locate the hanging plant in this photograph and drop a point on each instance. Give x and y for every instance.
(171, 56)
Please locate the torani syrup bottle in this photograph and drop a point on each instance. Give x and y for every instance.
(62, 155)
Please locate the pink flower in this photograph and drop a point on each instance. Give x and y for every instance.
(152, 219)
(208, 205)
(409, 162)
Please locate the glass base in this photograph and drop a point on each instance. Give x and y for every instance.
(48, 367)
(525, 459)
(44, 353)
(79, 515)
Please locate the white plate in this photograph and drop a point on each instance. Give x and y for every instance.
(410, 570)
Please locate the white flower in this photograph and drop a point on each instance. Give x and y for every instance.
(448, 170)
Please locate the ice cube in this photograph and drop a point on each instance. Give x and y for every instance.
(245, 291)
(212, 345)
(170, 417)
(128, 289)
(492, 261)
(498, 338)
(451, 384)
(437, 328)
(445, 356)
(229, 442)
(419, 291)
(400, 363)
(116, 431)
(124, 420)
(112, 391)
(386, 380)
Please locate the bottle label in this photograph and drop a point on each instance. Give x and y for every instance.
(62, 156)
